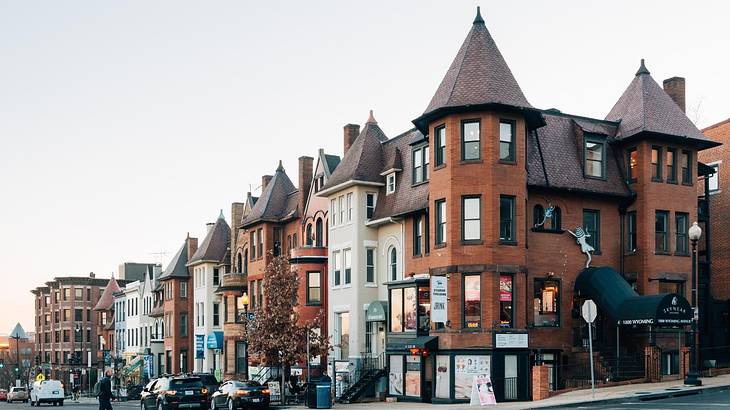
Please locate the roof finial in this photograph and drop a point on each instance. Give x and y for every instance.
(371, 118)
(478, 19)
(280, 168)
(642, 69)
(221, 215)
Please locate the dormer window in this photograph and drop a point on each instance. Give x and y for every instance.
(420, 164)
(594, 155)
(390, 183)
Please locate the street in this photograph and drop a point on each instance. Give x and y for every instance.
(711, 400)
(84, 403)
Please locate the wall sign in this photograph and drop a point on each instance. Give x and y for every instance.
(511, 340)
(439, 299)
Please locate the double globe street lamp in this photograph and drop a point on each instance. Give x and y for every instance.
(693, 376)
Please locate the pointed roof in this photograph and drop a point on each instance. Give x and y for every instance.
(478, 76)
(177, 267)
(106, 300)
(215, 243)
(18, 332)
(645, 108)
(363, 161)
(275, 203)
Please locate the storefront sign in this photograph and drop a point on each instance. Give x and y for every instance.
(439, 298)
(376, 312)
(511, 340)
(148, 363)
(215, 340)
(505, 288)
(199, 346)
(274, 391)
(482, 392)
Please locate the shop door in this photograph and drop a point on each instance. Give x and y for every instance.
(511, 376)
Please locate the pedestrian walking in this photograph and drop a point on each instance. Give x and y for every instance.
(105, 391)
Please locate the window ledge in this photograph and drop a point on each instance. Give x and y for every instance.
(682, 254)
(508, 243)
(687, 184)
(314, 304)
(629, 253)
(439, 245)
(437, 167)
(417, 256)
(673, 182)
(664, 253)
(472, 242)
(371, 285)
(657, 180)
(419, 183)
(554, 231)
(471, 161)
(507, 162)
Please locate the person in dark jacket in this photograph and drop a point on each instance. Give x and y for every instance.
(105, 391)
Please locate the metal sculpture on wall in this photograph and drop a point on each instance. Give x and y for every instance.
(548, 215)
(581, 237)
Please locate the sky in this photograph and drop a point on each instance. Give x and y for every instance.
(124, 125)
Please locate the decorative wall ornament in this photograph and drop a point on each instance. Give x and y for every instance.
(581, 236)
(548, 215)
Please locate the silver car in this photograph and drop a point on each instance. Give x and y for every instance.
(18, 394)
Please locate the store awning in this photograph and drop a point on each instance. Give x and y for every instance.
(616, 298)
(420, 342)
(377, 311)
(215, 340)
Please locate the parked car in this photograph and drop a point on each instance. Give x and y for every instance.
(240, 394)
(17, 394)
(210, 382)
(3, 394)
(174, 392)
(47, 391)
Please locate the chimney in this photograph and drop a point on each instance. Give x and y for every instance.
(675, 88)
(92, 275)
(192, 246)
(305, 180)
(265, 181)
(236, 216)
(209, 227)
(351, 131)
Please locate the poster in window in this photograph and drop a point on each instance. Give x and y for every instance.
(413, 376)
(409, 308)
(395, 378)
(466, 368)
(505, 288)
(443, 377)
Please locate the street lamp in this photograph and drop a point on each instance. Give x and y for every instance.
(693, 377)
(243, 306)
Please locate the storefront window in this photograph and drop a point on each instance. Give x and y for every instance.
(396, 310)
(395, 379)
(546, 303)
(472, 301)
(409, 309)
(413, 376)
(506, 291)
(466, 367)
(424, 309)
(443, 377)
(343, 327)
(403, 308)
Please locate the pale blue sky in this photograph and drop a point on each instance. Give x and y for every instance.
(126, 124)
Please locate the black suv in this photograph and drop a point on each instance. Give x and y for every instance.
(209, 381)
(174, 392)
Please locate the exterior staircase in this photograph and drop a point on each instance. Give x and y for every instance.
(365, 379)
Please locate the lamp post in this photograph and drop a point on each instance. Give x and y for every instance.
(693, 377)
(243, 306)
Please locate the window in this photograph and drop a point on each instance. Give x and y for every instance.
(66, 315)
(216, 314)
(440, 146)
(338, 267)
(319, 231)
(506, 219)
(348, 266)
(472, 301)
(417, 234)
(370, 265)
(506, 140)
(342, 329)
(470, 131)
(369, 205)
(546, 303)
(253, 245)
(308, 234)
(333, 212)
(671, 286)
(88, 315)
(314, 288)
(349, 207)
(66, 336)
(656, 163)
(661, 230)
(594, 157)
(682, 227)
(183, 289)
(556, 219)
(686, 170)
(420, 165)
(671, 159)
(277, 241)
(245, 261)
(241, 360)
(393, 263)
(261, 242)
(88, 294)
(66, 294)
(78, 293)
(183, 324)
(216, 276)
(715, 178)
(440, 222)
(390, 183)
(403, 307)
(538, 217)
(631, 232)
(260, 289)
(506, 298)
(396, 310)
(592, 226)
(470, 218)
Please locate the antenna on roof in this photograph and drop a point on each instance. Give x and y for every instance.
(161, 254)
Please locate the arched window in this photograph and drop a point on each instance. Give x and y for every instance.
(239, 263)
(319, 232)
(393, 263)
(245, 261)
(309, 235)
(556, 220)
(538, 215)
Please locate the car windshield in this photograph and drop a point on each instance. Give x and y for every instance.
(208, 379)
(249, 383)
(185, 383)
(19, 389)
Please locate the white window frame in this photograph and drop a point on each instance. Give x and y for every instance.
(390, 183)
(374, 265)
(334, 211)
(347, 265)
(349, 206)
(715, 177)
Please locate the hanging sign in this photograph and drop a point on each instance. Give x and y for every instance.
(199, 346)
(439, 298)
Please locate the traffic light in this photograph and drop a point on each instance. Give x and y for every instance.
(37, 360)
(17, 370)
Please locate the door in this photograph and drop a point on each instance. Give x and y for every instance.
(222, 395)
(148, 400)
(510, 377)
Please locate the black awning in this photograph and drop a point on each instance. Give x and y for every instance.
(616, 297)
(405, 344)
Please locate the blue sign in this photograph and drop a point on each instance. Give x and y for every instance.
(251, 316)
(148, 366)
(199, 346)
(107, 357)
(215, 340)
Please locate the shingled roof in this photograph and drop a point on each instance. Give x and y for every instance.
(363, 161)
(215, 243)
(646, 108)
(106, 300)
(277, 202)
(477, 77)
(177, 268)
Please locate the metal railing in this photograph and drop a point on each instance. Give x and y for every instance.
(510, 388)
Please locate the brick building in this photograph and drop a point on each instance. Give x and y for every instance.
(524, 213)
(104, 310)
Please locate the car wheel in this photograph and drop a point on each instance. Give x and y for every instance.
(60, 403)
(160, 406)
(55, 403)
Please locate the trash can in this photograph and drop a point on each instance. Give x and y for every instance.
(324, 399)
(312, 395)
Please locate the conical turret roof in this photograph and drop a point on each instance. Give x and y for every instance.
(18, 332)
(214, 244)
(276, 200)
(107, 297)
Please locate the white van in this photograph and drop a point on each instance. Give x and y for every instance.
(47, 391)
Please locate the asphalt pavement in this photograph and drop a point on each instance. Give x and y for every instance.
(83, 404)
(715, 399)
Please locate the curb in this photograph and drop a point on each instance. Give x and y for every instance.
(639, 398)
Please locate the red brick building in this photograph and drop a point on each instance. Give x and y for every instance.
(104, 311)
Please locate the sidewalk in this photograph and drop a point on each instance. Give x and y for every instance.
(604, 395)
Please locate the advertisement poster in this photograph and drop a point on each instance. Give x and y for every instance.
(482, 392)
(199, 346)
(413, 376)
(274, 391)
(438, 299)
(466, 367)
(505, 288)
(395, 378)
(443, 377)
